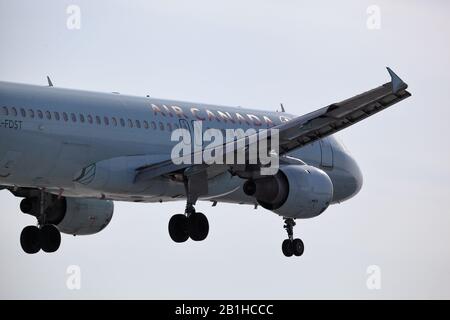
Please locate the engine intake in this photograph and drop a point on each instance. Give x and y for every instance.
(294, 192)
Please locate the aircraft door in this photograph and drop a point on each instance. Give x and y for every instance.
(184, 124)
(198, 133)
(195, 131)
(327, 153)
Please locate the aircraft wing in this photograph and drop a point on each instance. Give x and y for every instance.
(337, 116)
(313, 126)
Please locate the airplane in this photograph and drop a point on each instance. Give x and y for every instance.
(70, 153)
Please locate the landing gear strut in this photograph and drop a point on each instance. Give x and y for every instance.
(191, 224)
(291, 246)
(45, 236)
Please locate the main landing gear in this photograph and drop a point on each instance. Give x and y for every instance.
(192, 225)
(291, 246)
(45, 236)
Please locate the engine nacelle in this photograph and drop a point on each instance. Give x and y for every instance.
(75, 216)
(86, 216)
(296, 191)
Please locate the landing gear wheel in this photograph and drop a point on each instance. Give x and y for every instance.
(26, 205)
(291, 246)
(298, 247)
(50, 238)
(178, 228)
(29, 240)
(288, 248)
(198, 226)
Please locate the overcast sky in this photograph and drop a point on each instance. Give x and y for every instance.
(254, 54)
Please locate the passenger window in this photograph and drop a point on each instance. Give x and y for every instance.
(98, 120)
(31, 113)
(130, 123)
(14, 112)
(153, 125)
(48, 115)
(114, 121)
(23, 112)
(90, 119)
(122, 122)
(161, 126)
(40, 114)
(81, 118)
(138, 124)
(5, 111)
(106, 120)
(145, 124)
(65, 117)
(56, 114)
(74, 117)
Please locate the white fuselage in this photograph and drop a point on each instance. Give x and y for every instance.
(48, 134)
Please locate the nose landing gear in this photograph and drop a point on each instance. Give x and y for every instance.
(291, 246)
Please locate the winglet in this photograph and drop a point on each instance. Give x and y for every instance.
(50, 83)
(397, 83)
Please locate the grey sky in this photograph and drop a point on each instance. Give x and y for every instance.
(255, 54)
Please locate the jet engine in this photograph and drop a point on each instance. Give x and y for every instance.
(76, 216)
(296, 191)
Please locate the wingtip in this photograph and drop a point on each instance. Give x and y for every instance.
(397, 83)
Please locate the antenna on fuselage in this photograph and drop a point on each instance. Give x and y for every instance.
(282, 108)
(50, 83)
